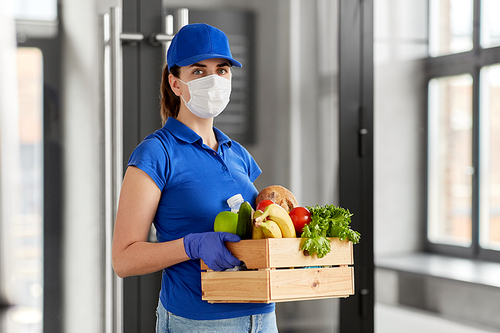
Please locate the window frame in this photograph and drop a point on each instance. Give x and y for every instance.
(470, 62)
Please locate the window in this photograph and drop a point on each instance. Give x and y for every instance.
(450, 26)
(490, 158)
(22, 218)
(36, 19)
(463, 129)
(490, 25)
(26, 211)
(450, 160)
(39, 10)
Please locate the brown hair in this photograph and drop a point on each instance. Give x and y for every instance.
(170, 102)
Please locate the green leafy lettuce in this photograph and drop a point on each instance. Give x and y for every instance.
(327, 221)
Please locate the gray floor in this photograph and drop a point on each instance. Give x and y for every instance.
(389, 319)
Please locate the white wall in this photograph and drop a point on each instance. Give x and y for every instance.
(314, 102)
(399, 41)
(82, 165)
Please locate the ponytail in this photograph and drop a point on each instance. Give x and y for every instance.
(170, 102)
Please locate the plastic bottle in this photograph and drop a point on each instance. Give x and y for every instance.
(235, 202)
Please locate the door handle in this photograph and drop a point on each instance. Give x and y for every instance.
(157, 39)
(131, 38)
(112, 69)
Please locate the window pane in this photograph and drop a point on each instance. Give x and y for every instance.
(450, 29)
(490, 158)
(22, 227)
(490, 24)
(450, 160)
(44, 10)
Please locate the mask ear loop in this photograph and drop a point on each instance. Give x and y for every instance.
(182, 97)
(185, 103)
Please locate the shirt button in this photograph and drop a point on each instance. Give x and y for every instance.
(224, 168)
(220, 154)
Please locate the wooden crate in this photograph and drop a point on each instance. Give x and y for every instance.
(278, 271)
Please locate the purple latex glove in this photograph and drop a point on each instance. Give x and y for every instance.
(210, 247)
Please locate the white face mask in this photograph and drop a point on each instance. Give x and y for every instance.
(209, 95)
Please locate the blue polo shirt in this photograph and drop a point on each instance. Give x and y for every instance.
(195, 182)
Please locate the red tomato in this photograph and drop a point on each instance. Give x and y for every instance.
(263, 204)
(300, 217)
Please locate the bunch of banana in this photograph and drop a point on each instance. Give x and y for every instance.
(274, 222)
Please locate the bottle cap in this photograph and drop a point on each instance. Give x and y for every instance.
(235, 200)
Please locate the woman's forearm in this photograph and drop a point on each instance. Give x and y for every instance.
(145, 257)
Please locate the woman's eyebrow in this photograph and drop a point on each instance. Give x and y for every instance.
(197, 64)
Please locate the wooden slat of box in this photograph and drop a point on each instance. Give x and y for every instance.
(236, 287)
(286, 252)
(277, 285)
(311, 283)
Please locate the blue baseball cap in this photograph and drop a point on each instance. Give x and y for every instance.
(196, 42)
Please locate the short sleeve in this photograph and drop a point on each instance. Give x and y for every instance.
(253, 168)
(151, 157)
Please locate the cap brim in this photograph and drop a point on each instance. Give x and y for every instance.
(201, 57)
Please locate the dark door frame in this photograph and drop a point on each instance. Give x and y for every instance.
(141, 117)
(356, 154)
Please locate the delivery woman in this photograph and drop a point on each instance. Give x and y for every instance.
(180, 178)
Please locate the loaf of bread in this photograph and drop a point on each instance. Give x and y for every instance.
(279, 195)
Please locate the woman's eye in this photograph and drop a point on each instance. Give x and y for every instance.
(197, 72)
(222, 71)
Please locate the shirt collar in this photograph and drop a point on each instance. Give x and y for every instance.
(184, 133)
(222, 138)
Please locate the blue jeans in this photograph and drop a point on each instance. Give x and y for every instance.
(167, 322)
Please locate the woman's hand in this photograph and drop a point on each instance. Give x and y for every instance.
(210, 247)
